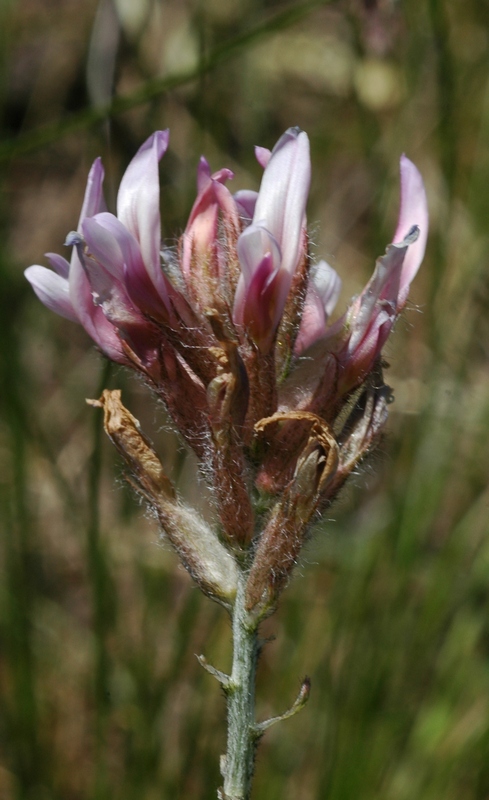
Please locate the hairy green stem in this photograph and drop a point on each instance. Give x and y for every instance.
(242, 733)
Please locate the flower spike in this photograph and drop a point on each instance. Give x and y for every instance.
(233, 331)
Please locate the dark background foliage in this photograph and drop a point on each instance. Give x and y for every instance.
(101, 694)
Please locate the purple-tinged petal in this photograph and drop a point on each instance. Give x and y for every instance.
(93, 201)
(322, 295)
(91, 316)
(254, 244)
(263, 286)
(213, 195)
(59, 264)
(262, 155)
(327, 284)
(52, 290)
(223, 175)
(369, 320)
(356, 365)
(110, 295)
(245, 201)
(103, 246)
(258, 307)
(200, 236)
(203, 174)
(128, 246)
(116, 249)
(313, 321)
(138, 203)
(202, 222)
(202, 262)
(413, 211)
(101, 257)
(228, 208)
(143, 294)
(282, 198)
(279, 218)
(387, 273)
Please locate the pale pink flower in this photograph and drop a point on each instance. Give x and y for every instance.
(371, 316)
(115, 274)
(217, 324)
(272, 247)
(233, 330)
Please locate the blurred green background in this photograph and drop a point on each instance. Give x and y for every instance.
(101, 693)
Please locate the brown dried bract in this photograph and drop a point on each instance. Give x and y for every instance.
(281, 542)
(124, 431)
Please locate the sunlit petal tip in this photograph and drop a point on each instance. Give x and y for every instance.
(413, 212)
(322, 295)
(93, 200)
(223, 175)
(282, 198)
(158, 141)
(52, 290)
(245, 201)
(59, 264)
(138, 206)
(328, 285)
(262, 155)
(203, 174)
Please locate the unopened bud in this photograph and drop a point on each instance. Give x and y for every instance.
(227, 397)
(283, 537)
(360, 428)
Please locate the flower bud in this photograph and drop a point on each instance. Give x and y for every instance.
(281, 542)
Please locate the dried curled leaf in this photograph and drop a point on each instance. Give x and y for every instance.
(281, 542)
(320, 436)
(206, 559)
(125, 433)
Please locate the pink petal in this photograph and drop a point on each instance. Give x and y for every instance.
(261, 310)
(129, 267)
(138, 203)
(52, 290)
(222, 175)
(356, 365)
(93, 201)
(203, 174)
(103, 246)
(413, 211)
(327, 284)
(59, 264)
(281, 203)
(380, 292)
(254, 244)
(322, 295)
(262, 155)
(202, 222)
(91, 316)
(117, 275)
(245, 203)
(313, 321)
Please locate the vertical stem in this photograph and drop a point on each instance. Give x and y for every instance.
(242, 739)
